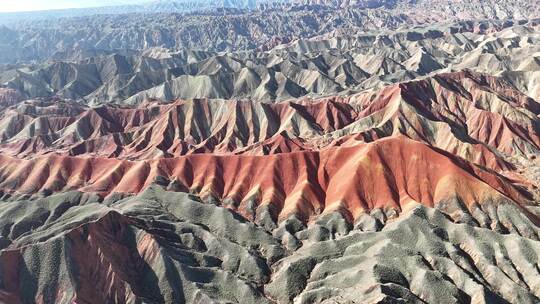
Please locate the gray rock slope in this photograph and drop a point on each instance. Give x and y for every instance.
(165, 247)
(28, 38)
(315, 67)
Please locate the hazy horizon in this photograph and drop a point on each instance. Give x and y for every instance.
(40, 5)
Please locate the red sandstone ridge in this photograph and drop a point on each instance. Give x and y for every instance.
(167, 130)
(474, 116)
(477, 117)
(428, 142)
(388, 173)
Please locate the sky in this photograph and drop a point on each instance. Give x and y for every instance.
(37, 5)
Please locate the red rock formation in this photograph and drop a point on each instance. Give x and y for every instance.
(388, 173)
(474, 116)
(183, 127)
(426, 139)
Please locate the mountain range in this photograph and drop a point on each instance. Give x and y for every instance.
(271, 152)
(320, 66)
(230, 29)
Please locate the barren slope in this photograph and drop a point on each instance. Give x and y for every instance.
(320, 66)
(480, 118)
(338, 152)
(163, 247)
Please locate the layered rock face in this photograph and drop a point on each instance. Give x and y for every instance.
(33, 40)
(325, 65)
(329, 166)
(475, 116)
(169, 247)
(311, 183)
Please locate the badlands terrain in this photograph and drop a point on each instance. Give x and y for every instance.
(271, 152)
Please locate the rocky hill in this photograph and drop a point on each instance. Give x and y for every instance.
(231, 29)
(284, 152)
(321, 66)
(306, 181)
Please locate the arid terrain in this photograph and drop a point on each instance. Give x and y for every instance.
(362, 151)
